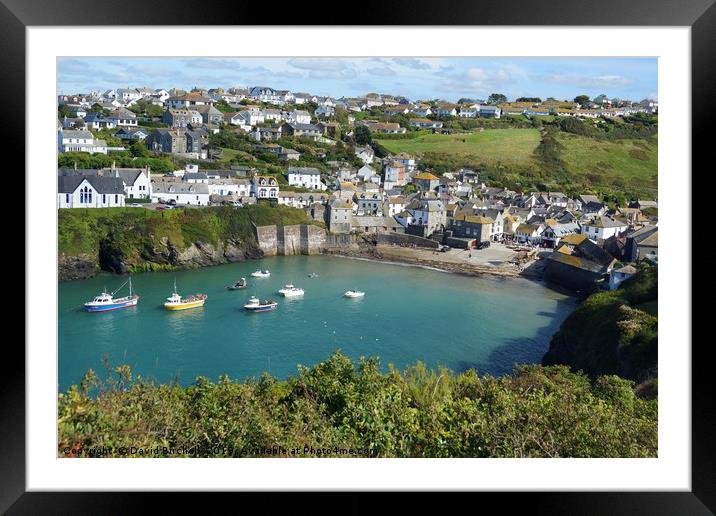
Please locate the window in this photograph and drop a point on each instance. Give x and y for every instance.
(104, 198)
(116, 198)
(67, 198)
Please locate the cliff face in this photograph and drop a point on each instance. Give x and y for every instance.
(135, 240)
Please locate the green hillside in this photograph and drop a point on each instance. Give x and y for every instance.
(509, 146)
(630, 164)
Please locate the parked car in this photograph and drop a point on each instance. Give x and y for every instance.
(172, 202)
(483, 245)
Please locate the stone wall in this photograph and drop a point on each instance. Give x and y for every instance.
(406, 240)
(291, 240)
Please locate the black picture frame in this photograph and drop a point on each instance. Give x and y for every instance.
(700, 15)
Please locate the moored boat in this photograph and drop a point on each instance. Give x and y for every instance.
(255, 305)
(106, 302)
(238, 285)
(176, 302)
(261, 274)
(291, 291)
(353, 293)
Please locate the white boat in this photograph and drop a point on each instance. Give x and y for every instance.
(261, 274)
(255, 305)
(291, 291)
(353, 293)
(106, 301)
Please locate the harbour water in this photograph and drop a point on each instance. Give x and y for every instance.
(408, 314)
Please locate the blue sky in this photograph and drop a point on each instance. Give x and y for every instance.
(447, 78)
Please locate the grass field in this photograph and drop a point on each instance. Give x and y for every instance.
(631, 163)
(509, 146)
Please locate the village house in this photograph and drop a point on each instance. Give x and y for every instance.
(265, 187)
(132, 134)
(302, 130)
(233, 187)
(426, 181)
(267, 133)
(79, 141)
(642, 244)
(475, 227)
(555, 232)
(394, 205)
(394, 175)
(603, 227)
(428, 216)
(365, 154)
(490, 111)
(89, 191)
(210, 115)
(369, 204)
(181, 117)
(298, 117)
(340, 212)
(136, 181)
(189, 100)
(98, 121)
(305, 177)
(578, 266)
(265, 94)
(618, 276)
(425, 122)
(192, 194)
(445, 110)
(170, 141)
(529, 233)
(122, 117)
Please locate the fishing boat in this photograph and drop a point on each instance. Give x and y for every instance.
(176, 302)
(238, 285)
(313, 275)
(291, 291)
(255, 305)
(353, 293)
(106, 301)
(261, 274)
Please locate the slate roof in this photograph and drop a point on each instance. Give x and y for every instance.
(103, 185)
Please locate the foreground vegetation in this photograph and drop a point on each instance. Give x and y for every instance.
(535, 412)
(614, 332)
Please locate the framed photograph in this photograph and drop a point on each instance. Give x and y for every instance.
(422, 250)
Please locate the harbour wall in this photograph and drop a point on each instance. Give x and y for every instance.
(295, 239)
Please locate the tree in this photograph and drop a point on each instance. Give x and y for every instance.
(139, 150)
(581, 99)
(496, 98)
(362, 135)
(529, 99)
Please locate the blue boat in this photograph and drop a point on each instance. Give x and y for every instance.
(254, 305)
(106, 302)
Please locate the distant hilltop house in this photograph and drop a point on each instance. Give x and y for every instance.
(188, 100)
(426, 122)
(80, 141)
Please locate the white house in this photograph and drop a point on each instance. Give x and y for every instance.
(603, 227)
(79, 191)
(298, 117)
(196, 194)
(264, 187)
(80, 141)
(137, 181)
(305, 177)
(531, 233)
(230, 186)
(366, 154)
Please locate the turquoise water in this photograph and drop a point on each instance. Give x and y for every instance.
(408, 314)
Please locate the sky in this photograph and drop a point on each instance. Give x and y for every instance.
(447, 78)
